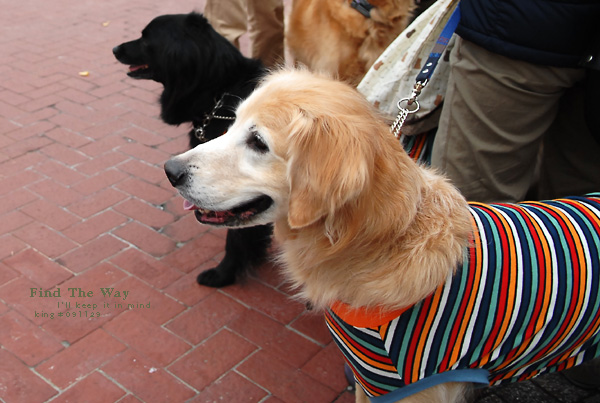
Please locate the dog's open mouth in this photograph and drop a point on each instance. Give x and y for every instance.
(234, 217)
(140, 71)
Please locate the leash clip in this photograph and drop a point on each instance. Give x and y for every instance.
(403, 112)
(406, 106)
(418, 87)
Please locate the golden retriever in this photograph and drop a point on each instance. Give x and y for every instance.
(330, 36)
(360, 225)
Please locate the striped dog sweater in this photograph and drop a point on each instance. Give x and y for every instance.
(524, 302)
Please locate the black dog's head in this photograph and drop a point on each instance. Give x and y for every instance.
(192, 61)
(171, 46)
(132, 53)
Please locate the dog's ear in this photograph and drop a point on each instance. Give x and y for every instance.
(191, 50)
(325, 171)
(200, 54)
(179, 57)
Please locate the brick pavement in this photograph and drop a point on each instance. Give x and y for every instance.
(84, 205)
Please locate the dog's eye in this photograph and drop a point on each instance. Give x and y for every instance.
(256, 142)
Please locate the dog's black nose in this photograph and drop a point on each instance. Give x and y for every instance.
(116, 50)
(176, 172)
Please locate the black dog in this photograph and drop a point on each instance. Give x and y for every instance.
(204, 77)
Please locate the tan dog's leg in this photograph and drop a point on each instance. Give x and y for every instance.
(360, 395)
(453, 392)
(444, 393)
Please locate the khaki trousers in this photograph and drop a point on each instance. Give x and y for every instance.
(263, 19)
(511, 129)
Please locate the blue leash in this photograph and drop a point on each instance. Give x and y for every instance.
(439, 47)
(426, 72)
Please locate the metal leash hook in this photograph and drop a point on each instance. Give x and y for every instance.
(402, 115)
(406, 106)
(404, 111)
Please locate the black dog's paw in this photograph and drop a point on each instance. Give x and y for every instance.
(215, 278)
(245, 249)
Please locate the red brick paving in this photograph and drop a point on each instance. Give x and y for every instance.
(84, 204)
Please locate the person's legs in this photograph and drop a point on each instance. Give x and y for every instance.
(495, 114)
(571, 157)
(229, 18)
(265, 25)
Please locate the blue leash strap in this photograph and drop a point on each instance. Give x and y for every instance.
(426, 72)
(439, 47)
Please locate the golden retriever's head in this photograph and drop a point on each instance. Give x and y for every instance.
(300, 148)
(358, 221)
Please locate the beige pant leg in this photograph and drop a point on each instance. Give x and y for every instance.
(265, 21)
(495, 114)
(228, 17)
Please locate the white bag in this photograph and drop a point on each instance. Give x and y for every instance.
(392, 76)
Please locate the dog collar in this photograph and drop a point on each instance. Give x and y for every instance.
(200, 129)
(363, 7)
(365, 317)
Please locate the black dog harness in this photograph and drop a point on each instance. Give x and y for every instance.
(200, 127)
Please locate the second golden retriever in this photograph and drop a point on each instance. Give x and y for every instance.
(423, 293)
(330, 36)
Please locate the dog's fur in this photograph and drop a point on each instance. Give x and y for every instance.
(331, 37)
(348, 212)
(357, 220)
(196, 66)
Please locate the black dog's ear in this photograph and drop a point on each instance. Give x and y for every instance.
(194, 63)
(197, 20)
(197, 53)
(183, 55)
(211, 44)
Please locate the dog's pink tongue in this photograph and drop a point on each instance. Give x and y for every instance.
(134, 68)
(189, 206)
